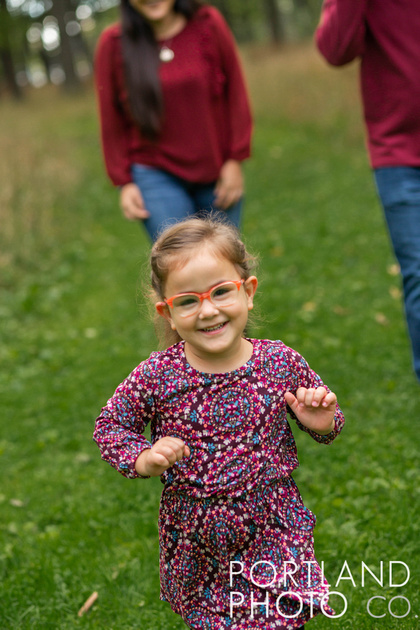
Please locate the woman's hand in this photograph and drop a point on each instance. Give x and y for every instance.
(152, 462)
(230, 185)
(132, 203)
(314, 408)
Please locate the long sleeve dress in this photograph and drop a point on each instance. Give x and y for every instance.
(233, 529)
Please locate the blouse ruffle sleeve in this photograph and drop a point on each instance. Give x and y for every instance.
(340, 36)
(119, 427)
(113, 119)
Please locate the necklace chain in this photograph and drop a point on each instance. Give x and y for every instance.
(166, 54)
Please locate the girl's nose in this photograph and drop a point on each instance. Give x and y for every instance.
(207, 309)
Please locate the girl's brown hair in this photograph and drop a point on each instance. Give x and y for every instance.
(175, 246)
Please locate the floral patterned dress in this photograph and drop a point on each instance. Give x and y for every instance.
(236, 541)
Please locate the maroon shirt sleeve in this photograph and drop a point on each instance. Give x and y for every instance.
(340, 36)
(113, 120)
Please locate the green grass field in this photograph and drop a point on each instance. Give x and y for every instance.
(73, 325)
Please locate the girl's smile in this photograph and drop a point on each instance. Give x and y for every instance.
(213, 329)
(213, 334)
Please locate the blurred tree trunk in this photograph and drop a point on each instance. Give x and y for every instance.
(46, 61)
(274, 21)
(59, 10)
(6, 54)
(9, 72)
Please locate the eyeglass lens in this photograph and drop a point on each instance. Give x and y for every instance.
(222, 295)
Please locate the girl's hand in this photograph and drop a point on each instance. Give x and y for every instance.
(132, 204)
(314, 408)
(230, 185)
(152, 462)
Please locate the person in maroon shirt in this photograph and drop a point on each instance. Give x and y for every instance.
(174, 112)
(384, 34)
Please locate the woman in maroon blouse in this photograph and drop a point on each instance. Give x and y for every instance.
(174, 111)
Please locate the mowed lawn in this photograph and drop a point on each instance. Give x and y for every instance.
(74, 322)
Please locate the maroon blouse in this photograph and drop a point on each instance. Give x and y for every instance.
(207, 117)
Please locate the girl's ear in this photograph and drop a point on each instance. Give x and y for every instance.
(163, 310)
(250, 287)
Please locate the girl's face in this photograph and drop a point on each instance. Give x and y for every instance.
(154, 11)
(213, 334)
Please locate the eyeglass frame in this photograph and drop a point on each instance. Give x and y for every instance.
(201, 296)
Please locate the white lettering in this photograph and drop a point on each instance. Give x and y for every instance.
(324, 600)
(309, 562)
(368, 607)
(237, 603)
(255, 604)
(252, 571)
(289, 573)
(380, 580)
(281, 612)
(232, 573)
(340, 577)
(391, 564)
(399, 597)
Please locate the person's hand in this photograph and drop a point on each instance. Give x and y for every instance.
(132, 204)
(314, 408)
(230, 185)
(152, 462)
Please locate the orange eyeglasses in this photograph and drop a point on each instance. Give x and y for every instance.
(222, 294)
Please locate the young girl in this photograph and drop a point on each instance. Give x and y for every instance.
(236, 541)
(174, 111)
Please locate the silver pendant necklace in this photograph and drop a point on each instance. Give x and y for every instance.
(166, 54)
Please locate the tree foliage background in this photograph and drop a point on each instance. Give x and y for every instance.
(46, 41)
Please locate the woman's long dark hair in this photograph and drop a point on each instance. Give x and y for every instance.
(141, 63)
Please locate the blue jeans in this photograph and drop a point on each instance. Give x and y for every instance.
(399, 191)
(170, 199)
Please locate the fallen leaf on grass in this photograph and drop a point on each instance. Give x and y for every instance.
(309, 307)
(340, 310)
(381, 319)
(82, 458)
(394, 269)
(88, 603)
(16, 503)
(277, 251)
(91, 333)
(395, 292)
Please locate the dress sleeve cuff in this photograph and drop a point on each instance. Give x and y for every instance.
(128, 467)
